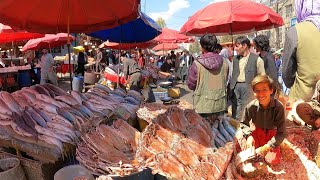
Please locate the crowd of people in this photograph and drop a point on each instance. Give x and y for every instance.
(255, 77)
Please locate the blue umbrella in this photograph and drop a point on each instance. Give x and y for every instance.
(140, 30)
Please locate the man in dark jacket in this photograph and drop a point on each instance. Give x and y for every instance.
(246, 66)
(132, 70)
(261, 44)
(207, 76)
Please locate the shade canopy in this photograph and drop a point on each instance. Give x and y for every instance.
(124, 46)
(140, 30)
(170, 35)
(53, 16)
(49, 41)
(7, 34)
(232, 17)
(165, 46)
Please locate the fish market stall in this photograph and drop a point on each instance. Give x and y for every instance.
(15, 77)
(46, 123)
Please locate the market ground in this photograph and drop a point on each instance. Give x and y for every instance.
(185, 92)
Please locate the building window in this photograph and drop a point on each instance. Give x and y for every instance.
(280, 12)
(289, 11)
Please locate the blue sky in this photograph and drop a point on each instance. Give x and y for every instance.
(174, 12)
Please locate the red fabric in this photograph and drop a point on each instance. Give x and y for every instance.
(141, 62)
(165, 46)
(114, 45)
(51, 16)
(234, 17)
(65, 68)
(261, 137)
(170, 35)
(114, 78)
(49, 41)
(7, 34)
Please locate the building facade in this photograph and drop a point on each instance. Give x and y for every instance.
(286, 9)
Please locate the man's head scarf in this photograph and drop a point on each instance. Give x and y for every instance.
(308, 10)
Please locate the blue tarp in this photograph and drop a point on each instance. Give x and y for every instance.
(140, 30)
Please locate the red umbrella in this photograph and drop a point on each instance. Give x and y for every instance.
(49, 41)
(54, 16)
(232, 17)
(113, 45)
(165, 46)
(7, 34)
(170, 35)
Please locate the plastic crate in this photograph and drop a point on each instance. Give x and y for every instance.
(160, 94)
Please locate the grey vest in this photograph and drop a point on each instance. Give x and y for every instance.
(250, 69)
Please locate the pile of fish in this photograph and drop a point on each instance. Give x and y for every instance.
(110, 149)
(150, 111)
(48, 113)
(178, 144)
(222, 132)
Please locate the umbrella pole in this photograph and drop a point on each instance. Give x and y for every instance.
(68, 45)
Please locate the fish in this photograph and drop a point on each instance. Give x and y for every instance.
(56, 118)
(102, 87)
(21, 101)
(45, 106)
(56, 126)
(5, 116)
(84, 110)
(19, 130)
(43, 114)
(66, 114)
(17, 119)
(36, 117)
(52, 140)
(48, 99)
(10, 102)
(41, 90)
(30, 90)
(5, 122)
(51, 92)
(67, 99)
(76, 95)
(56, 89)
(28, 96)
(4, 109)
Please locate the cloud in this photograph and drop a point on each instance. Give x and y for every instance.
(214, 1)
(173, 7)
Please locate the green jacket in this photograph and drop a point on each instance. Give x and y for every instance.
(210, 92)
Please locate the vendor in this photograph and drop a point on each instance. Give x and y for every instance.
(131, 68)
(266, 117)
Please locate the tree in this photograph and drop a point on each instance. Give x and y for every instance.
(161, 22)
(195, 47)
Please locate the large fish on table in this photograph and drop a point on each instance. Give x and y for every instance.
(42, 122)
(45, 106)
(30, 97)
(30, 90)
(19, 130)
(52, 140)
(56, 89)
(4, 109)
(10, 102)
(17, 119)
(68, 99)
(49, 99)
(21, 100)
(41, 90)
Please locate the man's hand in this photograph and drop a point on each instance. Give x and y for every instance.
(263, 150)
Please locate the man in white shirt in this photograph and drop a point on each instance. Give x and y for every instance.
(47, 72)
(246, 66)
